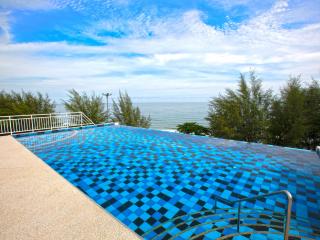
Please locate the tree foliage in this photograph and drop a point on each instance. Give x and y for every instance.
(92, 106)
(312, 113)
(295, 115)
(125, 113)
(287, 123)
(14, 103)
(192, 128)
(251, 114)
(241, 114)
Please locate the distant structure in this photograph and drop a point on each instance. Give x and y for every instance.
(107, 96)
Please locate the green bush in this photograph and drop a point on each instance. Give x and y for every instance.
(192, 128)
(14, 103)
(125, 113)
(92, 106)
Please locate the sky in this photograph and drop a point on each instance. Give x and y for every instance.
(156, 50)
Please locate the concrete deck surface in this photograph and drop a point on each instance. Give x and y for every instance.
(38, 203)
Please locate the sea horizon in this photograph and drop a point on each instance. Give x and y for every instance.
(167, 115)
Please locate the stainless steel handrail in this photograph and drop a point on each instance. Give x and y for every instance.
(288, 208)
(287, 216)
(87, 118)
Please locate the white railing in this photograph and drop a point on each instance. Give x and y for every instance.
(39, 122)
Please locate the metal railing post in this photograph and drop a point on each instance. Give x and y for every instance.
(288, 209)
(81, 119)
(32, 127)
(10, 124)
(238, 218)
(318, 150)
(288, 215)
(51, 126)
(66, 118)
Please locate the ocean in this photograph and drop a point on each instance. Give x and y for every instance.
(167, 115)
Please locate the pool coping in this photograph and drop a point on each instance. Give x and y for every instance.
(38, 203)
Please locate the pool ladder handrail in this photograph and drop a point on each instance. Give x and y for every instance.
(87, 118)
(240, 201)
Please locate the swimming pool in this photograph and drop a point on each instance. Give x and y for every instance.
(146, 177)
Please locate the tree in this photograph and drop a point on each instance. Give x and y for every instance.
(125, 113)
(15, 103)
(92, 106)
(192, 128)
(242, 114)
(312, 114)
(287, 123)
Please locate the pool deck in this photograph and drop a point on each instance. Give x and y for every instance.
(38, 203)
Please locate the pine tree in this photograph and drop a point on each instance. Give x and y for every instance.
(312, 114)
(125, 113)
(92, 106)
(15, 103)
(287, 127)
(242, 114)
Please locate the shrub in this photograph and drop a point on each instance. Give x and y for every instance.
(192, 128)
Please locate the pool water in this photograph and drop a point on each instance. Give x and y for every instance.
(145, 177)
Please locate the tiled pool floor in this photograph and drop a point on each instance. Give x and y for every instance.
(146, 177)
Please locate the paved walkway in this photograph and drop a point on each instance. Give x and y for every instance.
(37, 203)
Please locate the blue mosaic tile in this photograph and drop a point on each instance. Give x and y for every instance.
(145, 177)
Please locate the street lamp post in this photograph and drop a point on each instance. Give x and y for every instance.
(107, 96)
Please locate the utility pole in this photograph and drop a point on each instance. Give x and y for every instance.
(107, 96)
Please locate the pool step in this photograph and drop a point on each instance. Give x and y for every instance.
(260, 235)
(222, 224)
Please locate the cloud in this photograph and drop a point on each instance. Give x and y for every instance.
(30, 5)
(4, 28)
(231, 3)
(176, 55)
(97, 6)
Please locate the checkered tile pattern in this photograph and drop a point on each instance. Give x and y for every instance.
(147, 177)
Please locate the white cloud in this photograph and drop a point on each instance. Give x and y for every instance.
(4, 28)
(29, 4)
(77, 5)
(167, 56)
(230, 3)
